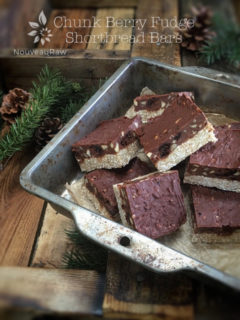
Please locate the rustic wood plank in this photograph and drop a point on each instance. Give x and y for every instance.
(93, 3)
(59, 38)
(60, 291)
(13, 68)
(113, 31)
(165, 52)
(236, 5)
(52, 242)
(136, 293)
(20, 213)
(20, 13)
(4, 25)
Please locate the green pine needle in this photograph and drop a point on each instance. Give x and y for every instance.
(84, 254)
(70, 110)
(79, 96)
(225, 46)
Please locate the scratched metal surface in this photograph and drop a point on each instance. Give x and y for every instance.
(55, 165)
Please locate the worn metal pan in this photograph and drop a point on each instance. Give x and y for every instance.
(47, 174)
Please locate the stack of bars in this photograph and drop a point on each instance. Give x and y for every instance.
(129, 163)
(214, 175)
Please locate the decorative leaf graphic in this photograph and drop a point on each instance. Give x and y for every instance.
(42, 18)
(42, 41)
(34, 25)
(47, 39)
(36, 39)
(32, 33)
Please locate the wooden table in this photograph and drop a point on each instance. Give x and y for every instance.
(32, 238)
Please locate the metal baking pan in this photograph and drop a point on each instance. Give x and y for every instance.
(47, 174)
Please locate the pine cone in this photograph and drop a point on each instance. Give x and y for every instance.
(13, 104)
(46, 131)
(194, 38)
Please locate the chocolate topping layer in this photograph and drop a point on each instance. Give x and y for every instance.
(155, 102)
(220, 159)
(100, 182)
(177, 124)
(154, 204)
(108, 138)
(215, 210)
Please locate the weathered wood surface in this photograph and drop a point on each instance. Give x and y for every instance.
(135, 293)
(94, 3)
(59, 35)
(17, 69)
(51, 291)
(52, 242)
(20, 13)
(112, 31)
(165, 52)
(20, 214)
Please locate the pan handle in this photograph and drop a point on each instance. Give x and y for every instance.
(141, 249)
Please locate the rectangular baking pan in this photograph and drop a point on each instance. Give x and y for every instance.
(47, 174)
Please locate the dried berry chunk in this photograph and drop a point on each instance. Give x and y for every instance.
(164, 150)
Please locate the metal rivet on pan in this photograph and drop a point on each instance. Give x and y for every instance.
(124, 241)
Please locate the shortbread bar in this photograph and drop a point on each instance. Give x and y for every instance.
(217, 165)
(152, 204)
(153, 105)
(111, 145)
(181, 130)
(215, 210)
(100, 184)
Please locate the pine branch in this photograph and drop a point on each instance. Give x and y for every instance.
(84, 254)
(70, 110)
(50, 87)
(225, 46)
(79, 97)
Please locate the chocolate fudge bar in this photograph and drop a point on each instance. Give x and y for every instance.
(152, 204)
(111, 145)
(215, 210)
(181, 130)
(217, 165)
(152, 105)
(100, 183)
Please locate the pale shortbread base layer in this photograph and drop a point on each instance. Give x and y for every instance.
(109, 161)
(143, 157)
(218, 183)
(144, 114)
(122, 212)
(185, 149)
(146, 91)
(82, 196)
